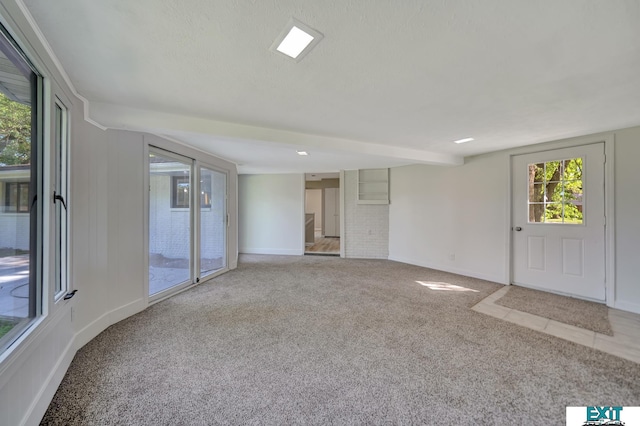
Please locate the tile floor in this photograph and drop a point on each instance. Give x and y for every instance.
(625, 342)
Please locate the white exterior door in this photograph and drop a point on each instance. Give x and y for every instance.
(558, 221)
(332, 212)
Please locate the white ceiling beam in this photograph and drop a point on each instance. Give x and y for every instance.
(123, 117)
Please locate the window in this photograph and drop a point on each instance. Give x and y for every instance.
(180, 192)
(21, 166)
(16, 197)
(555, 192)
(60, 196)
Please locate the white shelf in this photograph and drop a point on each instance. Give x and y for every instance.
(373, 186)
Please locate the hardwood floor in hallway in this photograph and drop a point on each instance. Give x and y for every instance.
(324, 245)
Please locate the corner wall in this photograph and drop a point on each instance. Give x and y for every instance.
(457, 218)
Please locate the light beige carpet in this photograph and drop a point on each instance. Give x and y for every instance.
(590, 315)
(313, 340)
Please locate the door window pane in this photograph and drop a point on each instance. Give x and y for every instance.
(213, 220)
(555, 192)
(169, 227)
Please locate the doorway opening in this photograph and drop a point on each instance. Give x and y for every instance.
(322, 214)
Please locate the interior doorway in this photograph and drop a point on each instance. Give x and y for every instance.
(322, 214)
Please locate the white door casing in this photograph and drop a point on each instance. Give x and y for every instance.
(560, 257)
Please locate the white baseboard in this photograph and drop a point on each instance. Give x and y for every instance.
(288, 252)
(453, 270)
(98, 325)
(627, 306)
(40, 404)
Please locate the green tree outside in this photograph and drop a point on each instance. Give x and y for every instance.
(15, 132)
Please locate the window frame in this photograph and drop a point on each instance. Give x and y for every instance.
(37, 308)
(59, 158)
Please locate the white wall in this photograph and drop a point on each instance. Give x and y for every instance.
(313, 204)
(627, 195)
(271, 214)
(437, 212)
(366, 226)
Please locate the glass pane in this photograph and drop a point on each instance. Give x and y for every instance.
(536, 172)
(213, 220)
(553, 171)
(17, 252)
(536, 212)
(536, 193)
(573, 202)
(169, 228)
(553, 213)
(573, 169)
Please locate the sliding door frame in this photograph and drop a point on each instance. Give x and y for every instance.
(180, 153)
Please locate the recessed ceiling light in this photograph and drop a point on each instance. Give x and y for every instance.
(302, 152)
(296, 40)
(463, 140)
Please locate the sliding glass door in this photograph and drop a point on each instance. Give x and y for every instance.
(213, 221)
(187, 221)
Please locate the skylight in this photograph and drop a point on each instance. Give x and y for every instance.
(296, 40)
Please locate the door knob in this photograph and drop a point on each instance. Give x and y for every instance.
(518, 228)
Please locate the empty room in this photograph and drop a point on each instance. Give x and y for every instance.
(331, 212)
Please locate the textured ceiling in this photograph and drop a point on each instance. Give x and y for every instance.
(391, 82)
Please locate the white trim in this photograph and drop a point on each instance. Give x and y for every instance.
(40, 403)
(190, 147)
(610, 228)
(56, 62)
(107, 319)
(145, 220)
(508, 267)
(626, 306)
(288, 252)
(343, 240)
(304, 211)
(467, 273)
